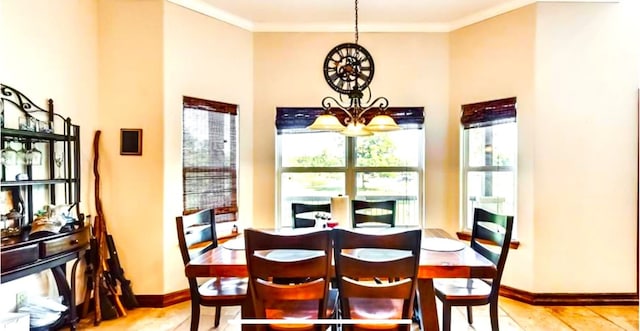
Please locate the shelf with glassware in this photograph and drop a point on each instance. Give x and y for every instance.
(40, 159)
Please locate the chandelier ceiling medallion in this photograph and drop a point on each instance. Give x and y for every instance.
(348, 69)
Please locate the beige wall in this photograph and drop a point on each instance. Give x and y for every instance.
(207, 59)
(573, 68)
(50, 51)
(105, 68)
(411, 70)
(490, 60)
(585, 148)
(131, 96)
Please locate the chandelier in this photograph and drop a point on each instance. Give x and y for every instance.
(348, 69)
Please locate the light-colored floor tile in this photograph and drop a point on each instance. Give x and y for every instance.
(583, 318)
(512, 316)
(532, 318)
(625, 317)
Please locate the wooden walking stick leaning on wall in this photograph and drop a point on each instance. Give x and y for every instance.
(102, 305)
(105, 279)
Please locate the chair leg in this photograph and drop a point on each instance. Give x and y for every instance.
(416, 311)
(469, 315)
(218, 313)
(195, 315)
(493, 313)
(446, 316)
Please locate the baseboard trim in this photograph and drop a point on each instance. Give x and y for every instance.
(163, 300)
(569, 299)
(536, 299)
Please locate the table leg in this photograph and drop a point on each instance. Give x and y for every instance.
(72, 306)
(428, 309)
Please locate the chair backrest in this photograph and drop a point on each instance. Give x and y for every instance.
(273, 255)
(383, 212)
(495, 230)
(360, 257)
(301, 208)
(196, 234)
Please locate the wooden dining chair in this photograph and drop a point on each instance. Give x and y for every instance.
(362, 257)
(382, 213)
(293, 256)
(488, 229)
(196, 235)
(302, 208)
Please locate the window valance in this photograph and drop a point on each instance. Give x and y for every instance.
(298, 118)
(487, 113)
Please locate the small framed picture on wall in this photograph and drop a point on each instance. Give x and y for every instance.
(130, 141)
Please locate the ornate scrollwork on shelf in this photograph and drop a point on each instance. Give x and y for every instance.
(18, 99)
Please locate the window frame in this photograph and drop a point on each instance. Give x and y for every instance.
(467, 224)
(486, 114)
(226, 212)
(350, 170)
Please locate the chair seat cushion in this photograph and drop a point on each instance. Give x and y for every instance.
(377, 309)
(293, 310)
(300, 310)
(224, 286)
(462, 289)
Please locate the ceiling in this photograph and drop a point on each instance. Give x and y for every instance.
(338, 15)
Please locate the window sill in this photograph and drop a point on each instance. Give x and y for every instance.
(464, 235)
(227, 236)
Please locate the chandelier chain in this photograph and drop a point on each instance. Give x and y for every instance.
(356, 22)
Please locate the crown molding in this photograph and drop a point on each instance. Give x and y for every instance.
(488, 13)
(206, 9)
(340, 27)
(211, 11)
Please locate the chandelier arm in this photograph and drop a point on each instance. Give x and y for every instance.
(329, 103)
(380, 103)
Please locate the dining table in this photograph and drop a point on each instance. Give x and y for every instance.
(441, 256)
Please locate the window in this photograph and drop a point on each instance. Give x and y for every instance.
(315, 166)
(209, 147)
(490, 150)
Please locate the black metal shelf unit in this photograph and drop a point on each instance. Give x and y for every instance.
(30, 133)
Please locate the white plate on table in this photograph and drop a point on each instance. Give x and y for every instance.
(380, 254)
(375, 225)
(236, 244)
(287, 255)
(442, 245)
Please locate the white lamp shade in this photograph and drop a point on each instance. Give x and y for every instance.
(356, 130)
(326, 122)
(382, 123)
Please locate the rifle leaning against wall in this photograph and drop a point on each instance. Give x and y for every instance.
(117, 274)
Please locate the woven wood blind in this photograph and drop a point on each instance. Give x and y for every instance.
(487, 113)
(209, 157)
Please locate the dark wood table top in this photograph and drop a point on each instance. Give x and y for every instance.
(464, 263)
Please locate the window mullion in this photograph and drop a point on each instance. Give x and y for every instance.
(465, 174)
(350, 173)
